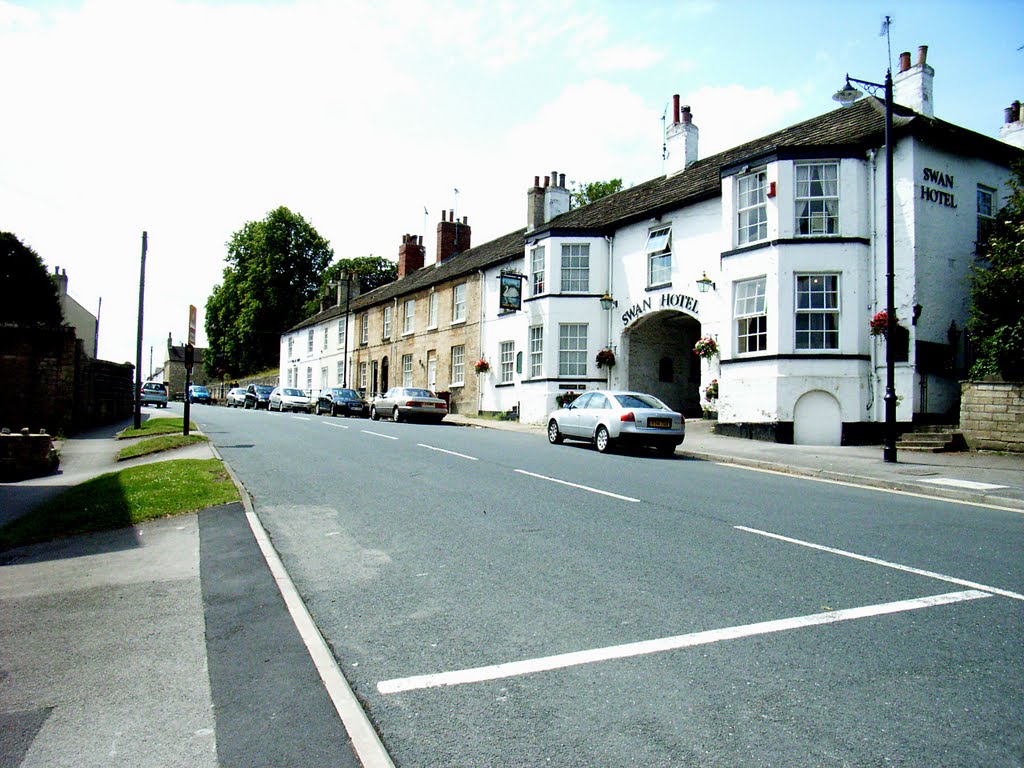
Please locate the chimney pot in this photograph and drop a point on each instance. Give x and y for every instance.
(561, 179)
(451, 214)
(686, 116)
(536, 181)
(465, 219)
(922, 55)
(547, 182)
(904, 61)
(675, 109)
(1014, 112)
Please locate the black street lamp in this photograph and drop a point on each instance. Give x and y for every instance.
(846, 97)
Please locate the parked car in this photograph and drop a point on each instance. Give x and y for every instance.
(153, 393)
(409, 403)
(340, 400)
(257, 396)
(197, 393)
(607, 418)
(287, 399)
(236, 397)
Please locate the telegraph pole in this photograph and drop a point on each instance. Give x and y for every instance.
(138, 344)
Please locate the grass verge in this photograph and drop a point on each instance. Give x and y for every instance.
(124, 498)
(158, 444)
(156, 427)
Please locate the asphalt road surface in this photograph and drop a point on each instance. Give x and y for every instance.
(497, 601)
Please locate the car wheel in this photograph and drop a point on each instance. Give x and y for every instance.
(555, 437)
(396, 415)
(602, 440)
(373, 413)
(334, 410)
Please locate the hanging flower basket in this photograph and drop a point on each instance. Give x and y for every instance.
(605, 358)
(565, 398)
(711, 391)
(705, 347)
(880, 324)
(482, 366)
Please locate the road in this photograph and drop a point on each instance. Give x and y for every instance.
(494, 600)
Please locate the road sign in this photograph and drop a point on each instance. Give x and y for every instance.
(191, 324)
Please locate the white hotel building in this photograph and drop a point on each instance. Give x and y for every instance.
(785, 235)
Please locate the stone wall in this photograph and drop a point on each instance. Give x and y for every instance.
(992, 415)
(23, 456)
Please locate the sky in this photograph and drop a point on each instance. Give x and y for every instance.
(187, 119)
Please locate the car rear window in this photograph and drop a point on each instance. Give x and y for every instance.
(636, 400)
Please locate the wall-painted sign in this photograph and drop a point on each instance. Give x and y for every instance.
(678, 301)
(933, 195)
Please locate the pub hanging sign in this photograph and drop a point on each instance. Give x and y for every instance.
(510, 294)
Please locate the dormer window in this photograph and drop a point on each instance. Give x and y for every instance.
(817, 199)
(659, 256)
(751, 208)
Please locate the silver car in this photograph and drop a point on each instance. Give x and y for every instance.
(236, 397)
(607, 418)
(287, 399)
(409, 403)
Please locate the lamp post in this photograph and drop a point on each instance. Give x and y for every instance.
(846, 97)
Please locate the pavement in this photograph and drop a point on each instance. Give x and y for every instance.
(106, 655)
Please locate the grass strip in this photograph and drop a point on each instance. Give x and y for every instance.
(120, 499)
(156, 427)
(158, 444)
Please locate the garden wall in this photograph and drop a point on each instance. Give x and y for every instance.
(992, 415)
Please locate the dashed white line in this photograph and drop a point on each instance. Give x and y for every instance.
(970, 484)
(450, 453)
(884, 563)
(379, 434)
(301, 418)
(561, 661)
(577, 485)
(332, 424)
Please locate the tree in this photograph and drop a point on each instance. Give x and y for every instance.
(274, 268)
(585, 194)
(372, 272)
(997, 292)
(30, 298)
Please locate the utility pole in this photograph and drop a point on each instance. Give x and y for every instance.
(138, 344)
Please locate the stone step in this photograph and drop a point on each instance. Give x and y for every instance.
(931, 442)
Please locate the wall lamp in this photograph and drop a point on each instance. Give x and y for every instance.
(705, 283)
(607, 302)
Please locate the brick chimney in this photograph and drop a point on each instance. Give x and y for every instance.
(535, 204)
(453, 237)
(680, 139)
(912, 85)
(410, 255)
(1012, 130)
(60, 279)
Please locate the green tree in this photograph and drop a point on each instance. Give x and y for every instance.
(585, 194)
(273, 268)
(371, 271)
(30, 298)
(997, 292)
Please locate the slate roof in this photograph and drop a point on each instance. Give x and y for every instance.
(843, 132)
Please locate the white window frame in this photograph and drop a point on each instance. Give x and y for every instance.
(364, 333)
(575, 268)
(817, 311)
(816, 198)
(572, 349)
(342, 330)
(458, 370)
(362, 376)
(406, 370)
(659, 256)
(309, 341)
(291, 345)
(409, 317)
(323, 378)
(986, 205)
(309, 377)
(507, 361)
(750, 314)
(432, 310)
(536, 351)
(289, 378)
(537, 270)
(752, 208)
(339, 373)
(386, 322)
(459, 303)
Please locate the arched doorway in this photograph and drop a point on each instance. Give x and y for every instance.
(817, 419)
(660, 360)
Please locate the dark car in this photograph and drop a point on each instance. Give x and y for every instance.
(343, 401)
(199, 394)
(258, 396)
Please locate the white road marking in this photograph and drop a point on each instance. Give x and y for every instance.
(879, 489)
(332, 424)
(378, 434)
(450, 453)
(576, 485)
(885, 563)
(629, 650)
(970, 484)
(302, 418)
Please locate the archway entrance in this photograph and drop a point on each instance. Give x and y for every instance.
(660, 359)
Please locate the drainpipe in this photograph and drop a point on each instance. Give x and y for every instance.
(611, 285)
(481, 286)
(873, 158)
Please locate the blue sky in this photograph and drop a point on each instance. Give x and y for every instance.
(188, 119)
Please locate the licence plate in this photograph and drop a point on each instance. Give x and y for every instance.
(659, 423)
